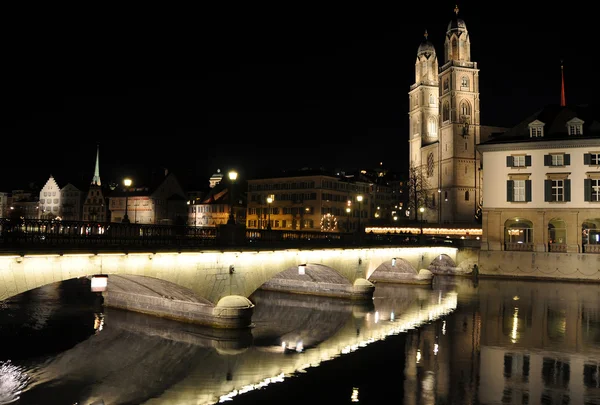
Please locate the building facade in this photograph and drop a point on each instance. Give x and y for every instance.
(445, 127)
(163, 202)
(71, 199)
(50, 200)
(547, 172)
(311, 202)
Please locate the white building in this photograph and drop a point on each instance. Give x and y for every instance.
(545, 174)
(50, 200)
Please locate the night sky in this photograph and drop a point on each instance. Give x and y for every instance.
(284, 86)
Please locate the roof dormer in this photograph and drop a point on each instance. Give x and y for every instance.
(575, 126)
(536, 129)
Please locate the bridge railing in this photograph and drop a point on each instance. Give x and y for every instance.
(40, 234)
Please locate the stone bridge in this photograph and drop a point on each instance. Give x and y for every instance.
(212, 287)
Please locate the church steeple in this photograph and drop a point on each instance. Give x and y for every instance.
(96, 178)
(563, 100)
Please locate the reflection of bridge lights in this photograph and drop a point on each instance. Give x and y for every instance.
(98, 322)
(248, 388)
(354, 396)
(12, 381)
(418, 355)
(435, 349)
(376, 316)
(444, 327)
(299, 346)
(515, 326)
(392, 316)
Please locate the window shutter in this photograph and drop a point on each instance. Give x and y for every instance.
(567, 190)
(509, 161)
(587, 189)
(528, 160)
(587, 158)
(509, 190)
(547, 160)
(547, 189)
(528, 190)
(567, 159)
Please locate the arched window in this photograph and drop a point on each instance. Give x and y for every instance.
(446, 112)
(464, 81)
(465, 108)
(432, 126)
(518, 234)
(431, 99)
(454, 49)
(446, 84)
(557, 233)
(467, 195)
(424, 68)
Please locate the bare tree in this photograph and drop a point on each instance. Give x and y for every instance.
(418, 186)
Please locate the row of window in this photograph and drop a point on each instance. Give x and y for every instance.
(553, 159)
(555, 190)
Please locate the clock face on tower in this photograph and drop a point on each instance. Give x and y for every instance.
(430, 164)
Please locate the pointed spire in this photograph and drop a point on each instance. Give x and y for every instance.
(563, 101)
(96, 178)
(456, 9)
(426, 35)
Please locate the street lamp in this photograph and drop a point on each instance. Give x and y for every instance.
(232, 177)
(359, 198)
(127, 183)
(348, 210)
(269, 202)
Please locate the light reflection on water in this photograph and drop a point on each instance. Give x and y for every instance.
(490, 342)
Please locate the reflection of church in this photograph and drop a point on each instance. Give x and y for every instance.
(443, 146)
(519, 343)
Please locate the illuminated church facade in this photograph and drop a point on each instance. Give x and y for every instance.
(445, 127)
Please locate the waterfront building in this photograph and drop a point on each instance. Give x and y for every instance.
(547, 172)
(50, 200)
(5, 199)
(162, 202)
(311, 200)
(445, 127)
(71, 199)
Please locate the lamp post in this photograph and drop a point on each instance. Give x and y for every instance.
(127, 183)
(359, 199)
(269, 202)
(232, 177)
(348, 210)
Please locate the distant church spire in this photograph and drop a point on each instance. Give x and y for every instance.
(96, 179)
(563, 101)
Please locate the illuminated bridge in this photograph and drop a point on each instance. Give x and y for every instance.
(207, 284)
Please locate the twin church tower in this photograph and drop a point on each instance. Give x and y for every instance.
(445, 128)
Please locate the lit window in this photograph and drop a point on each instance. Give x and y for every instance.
(575, 126)
(595, 189)
(519, 190)
(536, 129)
(519, 161)
(558, 190)
(558, 160)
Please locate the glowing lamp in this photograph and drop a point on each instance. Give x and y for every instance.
(99, 283)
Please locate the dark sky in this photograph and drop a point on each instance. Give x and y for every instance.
(283, 85)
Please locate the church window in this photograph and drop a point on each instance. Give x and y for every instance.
(431, 99)
(424, 69)
(432, 126)
(446, 85)
(466, 169)
(430, 164)
(454, 49)
(465, 109)
(446, 112)
(467, 195)
(464, 83)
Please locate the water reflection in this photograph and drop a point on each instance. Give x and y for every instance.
(491, 342)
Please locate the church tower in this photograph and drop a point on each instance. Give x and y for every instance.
(460, 187)
(423, 101)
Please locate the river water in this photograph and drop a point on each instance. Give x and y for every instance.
(459, 341)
